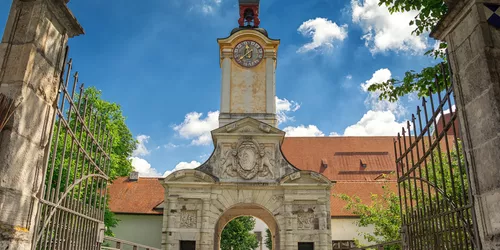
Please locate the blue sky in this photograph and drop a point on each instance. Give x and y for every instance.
(159, 61)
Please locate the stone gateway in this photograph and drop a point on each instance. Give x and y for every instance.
(247, 173)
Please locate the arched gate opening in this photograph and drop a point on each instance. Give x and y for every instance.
(247, 209)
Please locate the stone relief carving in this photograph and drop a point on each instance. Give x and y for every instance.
(247, 158)
(188, 219)
(305, 220)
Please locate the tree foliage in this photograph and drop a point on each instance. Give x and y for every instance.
(384, 213)
(446, 173)
(69, 165)
(429, 14)
(237, 234)
(269, 239)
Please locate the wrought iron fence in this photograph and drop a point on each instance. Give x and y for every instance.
(384, 246)
(73, 196)
(343, 244)
(435, 198)
(116, 244)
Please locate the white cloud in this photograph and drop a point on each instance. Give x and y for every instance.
(373, 102)
(323, 33)
(170, 145)
(198, 129)
(143, 167)
(183, 165)
(334, 134)
(348, 77)
(283, 107)
(375, 123)
(209, 6)
(381, 75)
(302, 130)
(141, 149)
(385, 31)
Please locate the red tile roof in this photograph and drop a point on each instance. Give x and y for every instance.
(343, 156)
(136, 197)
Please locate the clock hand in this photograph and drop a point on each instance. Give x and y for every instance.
(245, 54)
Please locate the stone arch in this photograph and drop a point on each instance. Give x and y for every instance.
(187, 175)
(247, 209)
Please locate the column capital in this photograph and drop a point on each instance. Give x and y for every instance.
(456, 11)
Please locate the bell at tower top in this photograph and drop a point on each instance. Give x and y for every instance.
(249, 13)
(249, 16)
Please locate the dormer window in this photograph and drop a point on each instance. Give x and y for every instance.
(362, 164)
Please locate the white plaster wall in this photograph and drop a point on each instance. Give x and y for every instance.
(346, 229)
(260, 226)
(141, 229)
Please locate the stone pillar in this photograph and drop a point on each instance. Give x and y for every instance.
(290, 221)
(173, 214)
(270, 59)
(207, 227)
(31, 58)
(474, 55)
(225, 97)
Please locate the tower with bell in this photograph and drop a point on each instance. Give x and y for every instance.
(248, 63)
(247, 173)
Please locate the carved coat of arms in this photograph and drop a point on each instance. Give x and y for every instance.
(247, 158)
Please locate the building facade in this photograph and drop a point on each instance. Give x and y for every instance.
(254, 170)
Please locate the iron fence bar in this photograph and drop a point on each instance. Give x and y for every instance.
(428, 125)
(438, 209)
(438, 145)
(89, 157)
(70, 211)
(404, 218)
(455, 218)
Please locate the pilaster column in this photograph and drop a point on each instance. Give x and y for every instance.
(207, 227)
(270, 60)
(325, 233)
(290, 221)
(173, 214)
(474, 55)
(225, 101)
(31, 59)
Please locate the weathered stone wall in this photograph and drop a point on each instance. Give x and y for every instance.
(293, 213)
(474, 55)
(31, 58)
(247, 175)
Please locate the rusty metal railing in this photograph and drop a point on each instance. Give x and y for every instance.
(73, 194)
(123, 244)
(383, 246)
(435, 197)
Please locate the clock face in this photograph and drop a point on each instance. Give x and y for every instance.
(248, 53)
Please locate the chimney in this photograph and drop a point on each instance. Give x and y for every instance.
(324, 163)
(134, 176)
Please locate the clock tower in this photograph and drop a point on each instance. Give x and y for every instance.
(248, 63)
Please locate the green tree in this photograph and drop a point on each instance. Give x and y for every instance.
(237, 234)
(449, 190)
(429, 13)
(269, 239)
(108, 115)
(384, 213)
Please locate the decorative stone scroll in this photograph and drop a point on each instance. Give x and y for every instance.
(246, 159)
(305, 220)
(188, 219)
